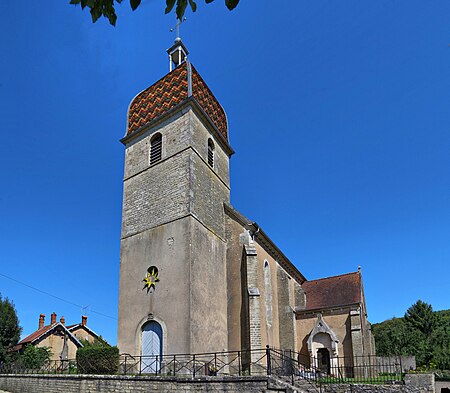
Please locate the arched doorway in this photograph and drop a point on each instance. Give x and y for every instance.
(323, 347)
(152, 337)
(323, 360)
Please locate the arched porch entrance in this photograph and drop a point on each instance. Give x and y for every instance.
(323, 360)
(322, 346)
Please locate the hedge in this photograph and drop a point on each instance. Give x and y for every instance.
(97, 360)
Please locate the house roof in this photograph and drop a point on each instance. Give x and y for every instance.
(35, 336)
(81, 326)
(173, 89)
(336, 291)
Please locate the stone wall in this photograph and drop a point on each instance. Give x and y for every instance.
(402, 363)
(120, 384)
(181, 183)
(423, 382)
(441, 386)
(414, 383)
(37, 383)
(207, 195)
(286, 314)
(157, 195)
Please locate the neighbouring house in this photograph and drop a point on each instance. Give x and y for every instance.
(82, 332)
(62, 340)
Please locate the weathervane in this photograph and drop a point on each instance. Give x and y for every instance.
(177, 28)
(177, 52)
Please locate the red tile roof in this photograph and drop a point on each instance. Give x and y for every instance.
(72, 328)
(334, 291)
(36, 334)
(209, 103)
(170, 91)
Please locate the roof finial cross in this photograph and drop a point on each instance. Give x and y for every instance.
(177, 52)
(177, 28)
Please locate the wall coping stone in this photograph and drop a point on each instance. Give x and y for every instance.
(165, 378)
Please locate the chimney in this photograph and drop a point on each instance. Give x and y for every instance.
(53, 318)
(63, 320)
(41, 321)
(83, 320)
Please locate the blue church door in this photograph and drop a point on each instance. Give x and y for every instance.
(151, 347)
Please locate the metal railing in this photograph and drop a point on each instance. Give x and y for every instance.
(239, 363)
(46, 367)
(290, 366)
(347, 369)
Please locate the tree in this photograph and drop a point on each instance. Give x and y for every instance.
(422, 332)
(9, 327)
(420, 316)
(393, 337)
(107, 9)
(440, 340)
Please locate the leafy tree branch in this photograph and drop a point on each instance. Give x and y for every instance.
(106, 8)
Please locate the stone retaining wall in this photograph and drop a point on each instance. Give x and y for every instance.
(128, 384)
(414, 383)
(38, 383)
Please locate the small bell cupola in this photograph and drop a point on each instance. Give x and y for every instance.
(177, 52)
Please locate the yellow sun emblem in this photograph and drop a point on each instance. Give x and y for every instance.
(151, 279)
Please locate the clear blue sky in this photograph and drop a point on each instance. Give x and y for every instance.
(339, 113)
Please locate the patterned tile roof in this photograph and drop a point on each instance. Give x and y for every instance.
(209, 103)
(334, 291)
(170, 91)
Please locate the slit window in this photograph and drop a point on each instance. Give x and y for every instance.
(211, 153)
(155, 149)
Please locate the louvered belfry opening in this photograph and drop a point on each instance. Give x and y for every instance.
(210, 153)
(155, 149)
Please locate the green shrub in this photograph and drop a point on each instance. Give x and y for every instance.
(34, 357)
(97, 359)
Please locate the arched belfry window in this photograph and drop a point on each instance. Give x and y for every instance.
(211, 153)
(155, 149)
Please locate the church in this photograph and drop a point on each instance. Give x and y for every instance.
(196, 275)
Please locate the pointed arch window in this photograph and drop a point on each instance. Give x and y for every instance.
(155, 149)
(211, 153)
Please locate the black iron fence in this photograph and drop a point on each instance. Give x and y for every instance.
(212, 364)
(349, 369)
(288, 365)
(46, 367)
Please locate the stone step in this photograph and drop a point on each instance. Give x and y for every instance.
(300, 385)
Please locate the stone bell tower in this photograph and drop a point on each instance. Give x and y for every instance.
(172, 294)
